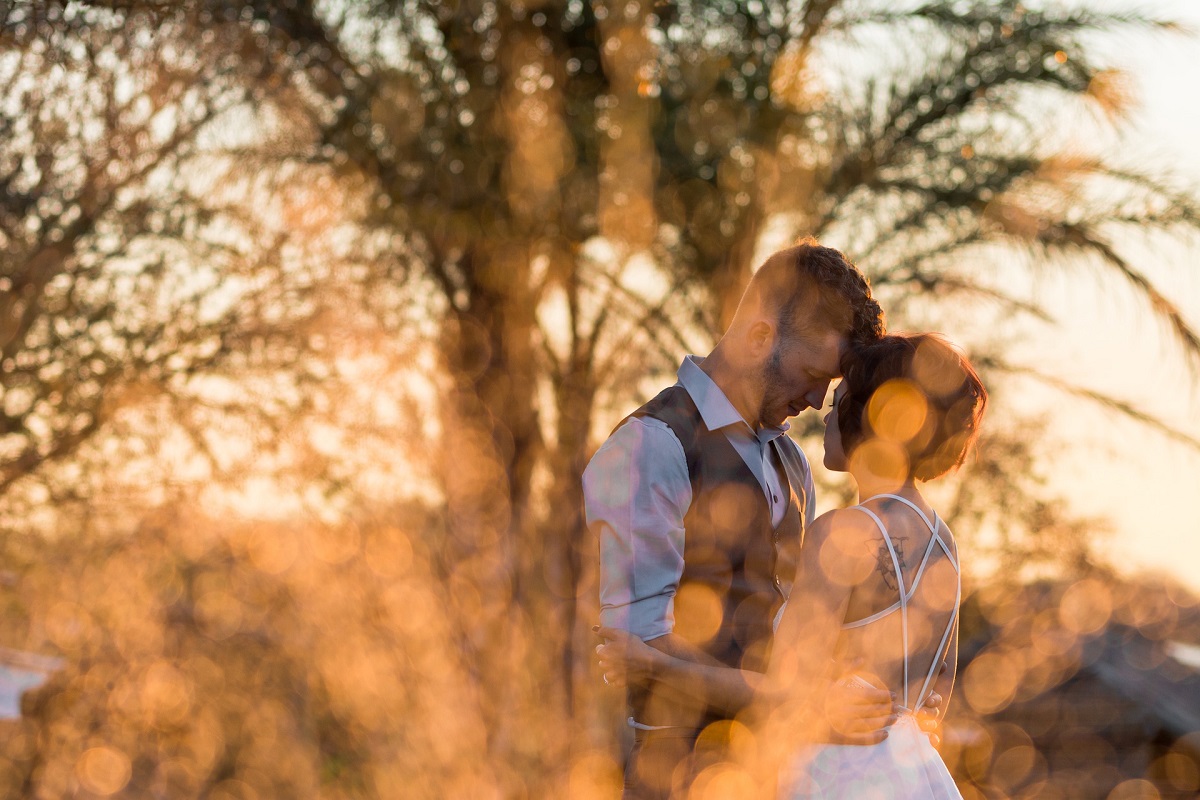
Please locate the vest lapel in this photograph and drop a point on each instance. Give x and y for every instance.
(789, 536)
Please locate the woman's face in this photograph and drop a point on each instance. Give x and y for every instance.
(835, 457)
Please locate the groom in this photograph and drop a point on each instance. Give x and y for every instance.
(700, 501)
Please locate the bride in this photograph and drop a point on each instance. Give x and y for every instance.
(878, 585)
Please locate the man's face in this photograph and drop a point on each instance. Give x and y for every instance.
(835, 455)
(797, 376)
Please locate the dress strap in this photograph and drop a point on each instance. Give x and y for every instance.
(939, 654)
(858, 623)
(906, 593)
(934, 528)
(900, 585)
(912, 589)
(908, 503)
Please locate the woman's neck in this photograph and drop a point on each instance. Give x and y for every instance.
(870, 485)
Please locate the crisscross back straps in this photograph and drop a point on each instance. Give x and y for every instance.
(906, 593)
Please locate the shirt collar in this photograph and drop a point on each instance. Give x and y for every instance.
(715, 408)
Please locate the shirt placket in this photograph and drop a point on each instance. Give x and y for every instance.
(768, 470)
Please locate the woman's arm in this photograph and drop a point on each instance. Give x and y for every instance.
(832, 562)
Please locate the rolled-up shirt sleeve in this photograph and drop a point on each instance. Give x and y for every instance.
(636, 492)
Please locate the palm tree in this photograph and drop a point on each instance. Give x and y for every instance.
(575, 191)
(680, 131)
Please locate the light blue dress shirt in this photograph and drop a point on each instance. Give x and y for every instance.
(637, 491)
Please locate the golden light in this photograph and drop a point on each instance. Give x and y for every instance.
(976, 752)
(933, 372)
(1111, 89)
(1086, 606)
(1013, 766)
(367, 637)
(1049, 638)
(730, 507)
(272, 550)
(389, 554)
(334, 545)
(594, 774)
(897, 411)
(990, 682)
(839, 562)
(698, 612)
(103, 770)
(1136, 789)
(884, 459)
(1182, 772)
(722, 781)
(165, 694)
(733, 736)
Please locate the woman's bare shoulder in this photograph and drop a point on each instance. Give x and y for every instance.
(843, 524)
(841, 541)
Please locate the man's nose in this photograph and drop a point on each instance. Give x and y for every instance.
(816, 398)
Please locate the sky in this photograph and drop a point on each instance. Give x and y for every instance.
(1149, 486)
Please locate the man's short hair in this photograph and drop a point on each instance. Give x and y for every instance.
(812, 288)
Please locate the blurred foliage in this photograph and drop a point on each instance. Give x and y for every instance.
(210, 659)
(137, 268)
(300, 240)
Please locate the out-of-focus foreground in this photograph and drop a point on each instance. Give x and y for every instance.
(312, 312)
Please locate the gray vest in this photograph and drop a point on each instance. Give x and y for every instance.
(737, 567)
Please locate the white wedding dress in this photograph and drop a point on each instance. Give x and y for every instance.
(904, 766)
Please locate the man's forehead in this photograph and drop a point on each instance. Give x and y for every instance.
(824, 354)
(829, 354)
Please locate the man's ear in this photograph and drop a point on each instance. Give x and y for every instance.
(761, 338)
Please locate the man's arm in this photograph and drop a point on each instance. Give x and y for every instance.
(636, 492)
(856, 714)
(678, 647)
(677, 668)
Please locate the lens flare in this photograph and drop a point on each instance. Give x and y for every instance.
(897, 412)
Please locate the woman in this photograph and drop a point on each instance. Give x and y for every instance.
(878, 584)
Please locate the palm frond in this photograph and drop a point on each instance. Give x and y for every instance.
(1100, 399)
(955, 20)
(1066, 238)
(942, 284)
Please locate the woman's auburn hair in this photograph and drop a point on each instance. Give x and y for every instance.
(955, 398)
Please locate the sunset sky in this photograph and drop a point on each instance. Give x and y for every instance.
(1116, 468)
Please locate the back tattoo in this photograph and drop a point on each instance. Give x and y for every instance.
(883, 562)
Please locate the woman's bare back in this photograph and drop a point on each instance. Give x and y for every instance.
(879, 629)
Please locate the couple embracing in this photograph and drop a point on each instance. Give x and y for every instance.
(813, 654)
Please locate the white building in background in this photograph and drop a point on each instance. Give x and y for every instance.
(20, 672)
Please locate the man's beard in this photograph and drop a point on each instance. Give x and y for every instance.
(772, 378)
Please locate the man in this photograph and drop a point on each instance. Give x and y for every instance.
(700, 502)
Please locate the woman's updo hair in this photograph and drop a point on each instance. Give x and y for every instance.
(917, 391)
